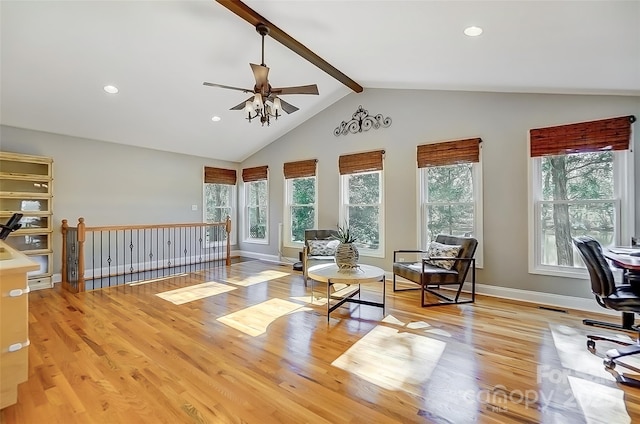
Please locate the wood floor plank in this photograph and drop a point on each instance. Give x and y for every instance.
(125, 355)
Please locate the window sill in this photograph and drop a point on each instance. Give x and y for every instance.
(256, 241)
(577, 273)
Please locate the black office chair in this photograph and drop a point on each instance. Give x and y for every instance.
(625, 298)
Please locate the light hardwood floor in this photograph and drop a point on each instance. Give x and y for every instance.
(245, 345)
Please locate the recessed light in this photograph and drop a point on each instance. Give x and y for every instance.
(216, 119)
(472, 31)
(111, 89)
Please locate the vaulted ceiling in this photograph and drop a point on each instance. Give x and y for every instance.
(56, 57)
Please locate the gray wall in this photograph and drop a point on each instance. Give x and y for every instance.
(110, 184)
(502, 121)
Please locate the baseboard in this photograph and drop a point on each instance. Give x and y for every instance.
(267, 258)
(547, 299)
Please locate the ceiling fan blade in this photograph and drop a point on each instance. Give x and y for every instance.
(210, 84)
(243, 104)
(254, 18)
(302, 89)
(261, 73)
(288, 107)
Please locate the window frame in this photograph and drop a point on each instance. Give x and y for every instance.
(478, 207)
(343, 206)
(623, 200)
(233, 206)
(246, 231)
(288, 195)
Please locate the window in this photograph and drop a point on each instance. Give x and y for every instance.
(301, 201)
(581, 189)
(451, 191)
(362, 200)
(256, 201)
(219, 196)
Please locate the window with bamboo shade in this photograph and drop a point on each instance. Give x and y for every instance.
(579, 178)
(362, 200)
(301, 212)
(451, 191)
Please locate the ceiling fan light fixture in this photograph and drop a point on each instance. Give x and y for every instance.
(257, 102)
(277, 105)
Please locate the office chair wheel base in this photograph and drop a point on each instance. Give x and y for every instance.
(609, 363)
(591, 345)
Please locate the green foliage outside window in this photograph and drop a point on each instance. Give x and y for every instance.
(302, 206)
(363, 209)
(257, 209)
(578, 199)
(449, 200)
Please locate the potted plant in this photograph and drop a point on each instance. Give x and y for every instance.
(347, 254)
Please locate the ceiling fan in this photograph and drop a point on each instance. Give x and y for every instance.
(265, 102)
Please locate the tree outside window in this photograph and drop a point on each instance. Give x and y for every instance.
(362, 210)
(577, 198)
(448, 201)
(301, 198)
(218, 204)
(256, 208)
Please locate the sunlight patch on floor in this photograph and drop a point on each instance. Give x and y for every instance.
(572, 350)
(416, 325)
(600, 404)
(259, 277)
(191, 293)
(255, 319)
(318, 301)
(393, 360)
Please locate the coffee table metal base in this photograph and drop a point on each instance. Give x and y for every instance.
(330, 274)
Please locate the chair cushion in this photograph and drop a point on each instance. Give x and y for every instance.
(433, 274)
(322, 247)
(439, 250)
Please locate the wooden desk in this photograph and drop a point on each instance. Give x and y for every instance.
(14, 325)
(622, 259)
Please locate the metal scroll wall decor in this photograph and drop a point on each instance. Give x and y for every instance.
(362, 121)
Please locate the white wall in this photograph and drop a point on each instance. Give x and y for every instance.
(110, 184)
(501, 120)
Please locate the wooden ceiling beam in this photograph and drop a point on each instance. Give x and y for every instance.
(254, 18)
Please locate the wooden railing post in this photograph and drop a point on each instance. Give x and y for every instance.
(65, 282)
(81, 239)
(227, 228)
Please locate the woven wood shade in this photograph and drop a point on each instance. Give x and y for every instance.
(592, 136)
(449, 152)
(300, 169)
(361, 162)
(219, 176)
(254, 174)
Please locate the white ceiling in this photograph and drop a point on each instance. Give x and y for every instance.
(57, 55)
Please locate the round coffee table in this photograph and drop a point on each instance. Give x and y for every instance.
(331, 274)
